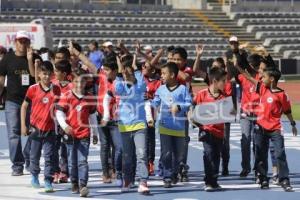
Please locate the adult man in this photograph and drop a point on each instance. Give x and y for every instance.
(15, 66)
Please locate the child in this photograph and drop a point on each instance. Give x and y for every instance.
(152, 80)
(130, 87)
(62, 73)
(42, 97)
(109, 132)
(174, 101)
(212, 135)
(273, 103)
(75, 115)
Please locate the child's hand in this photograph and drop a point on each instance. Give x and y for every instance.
(95, 139)
(150, 123)
(24, 130)
(68, 130)
(174, 109)
(199, 50)
(294, 131)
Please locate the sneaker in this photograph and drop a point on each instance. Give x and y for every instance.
(151, 168)
(143, 188)
(75, 188)
(167, 183)
(119, 181)
(35, 183)
(216, 186)
(126, 186)
(285, 184)
(244, 173)
(184, 177)
(63, 178)
(48, 186)
(275, 180)
(17, 173)
(208, 188)
(264, 185)
(106, 179)
(84, 191)
(225, 171)
(175, 180)
(56, 178)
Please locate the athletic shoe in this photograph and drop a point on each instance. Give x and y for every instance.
(35, 183)
(48, 186)
(244, 173)
(184, 177)
(225, 171)
(84, 191)
(275, 180)
(285, 184)
(264, 185)
(17, 173)
(167, 183)
(75, 188)
(143, 188)
(175, 180)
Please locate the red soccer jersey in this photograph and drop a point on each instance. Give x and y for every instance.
(106, 87)
(77, 112)
(272, 105)
(42, 106)
(204, 96)
(152, 86)
(248, 89)
(187, 83)
(228, 88)
(63, 88)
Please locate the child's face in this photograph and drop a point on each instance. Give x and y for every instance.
(110, 74)
(220, 84)
(79, 83)
(216, 64)
(45, 77)
(266, 79)
(59, 75)
(59, 57)
(179, 61)
(170, 57)
(128, 74)
(166, 75)
(147, 70)
(261, 69)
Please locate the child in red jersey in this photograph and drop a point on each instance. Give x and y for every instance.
(42, 97)
(62, 73)
(212, 135)
(76, 113)
(152, 79)
(273, 103)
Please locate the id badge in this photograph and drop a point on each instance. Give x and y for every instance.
(25, 79)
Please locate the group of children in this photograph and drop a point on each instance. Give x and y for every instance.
(126, 99)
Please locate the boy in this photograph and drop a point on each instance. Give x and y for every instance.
(273, 103)
(62, 73)
(109, 133)
(185, 78)
(130, 87)
(153, 82)
(174, 101)
(76, 115)
(42, 97)
(212, 135)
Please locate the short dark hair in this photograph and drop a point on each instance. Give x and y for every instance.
(95, 43)
(111, 63)
(77, 46)
(170, 49)
(64, 66)
(172, 67)
(221, 61)
(79, 72)
(216, 73)
(272, 71)
(181, 51)
(65, 51)
(46, 66)
(254, 60)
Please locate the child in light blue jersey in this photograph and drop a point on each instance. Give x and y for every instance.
(174, 101)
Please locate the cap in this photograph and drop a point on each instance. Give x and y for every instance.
(233, 39)
(22, 34)
(107, 44)
(148, 47)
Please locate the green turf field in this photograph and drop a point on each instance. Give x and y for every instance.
(296, 111)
